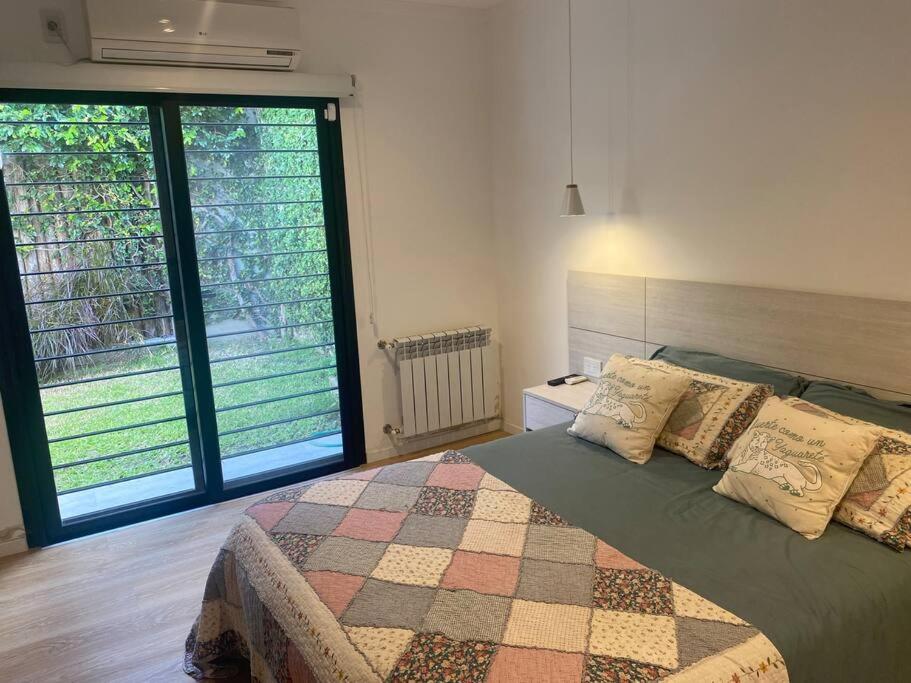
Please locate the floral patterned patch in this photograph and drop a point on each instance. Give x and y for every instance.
(633, 590)
(603, 669)
(736, 424)
(440, 502)
(455, 458)
(297, 547)
(292, 495)
(900, 535)
(434, 657)
(541, 515)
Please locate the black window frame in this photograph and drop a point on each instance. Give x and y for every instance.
(18, 378)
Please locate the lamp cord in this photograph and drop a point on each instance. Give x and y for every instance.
(54, 28)
(572, 178)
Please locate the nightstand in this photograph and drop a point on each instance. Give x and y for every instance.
(546, 405)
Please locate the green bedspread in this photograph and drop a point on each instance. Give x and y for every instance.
(837, 608)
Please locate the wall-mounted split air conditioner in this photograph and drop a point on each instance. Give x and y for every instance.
(194, 33)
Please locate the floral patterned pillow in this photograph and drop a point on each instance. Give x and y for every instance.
(796, 466)
(879, 501)
(712, 414)
(630, 407)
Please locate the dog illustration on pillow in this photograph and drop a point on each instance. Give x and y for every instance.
(759, 461)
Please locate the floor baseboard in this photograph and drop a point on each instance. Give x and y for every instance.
(512, 429)
(13, 546)
(420, 443)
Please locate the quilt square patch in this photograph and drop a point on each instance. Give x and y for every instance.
(455, 458)
(434, 657)
(370, 525)
(642, 637)
(412, 565)
(347, 555)
(267, 515)
(607, 557)
(502, 506)
(362, 475)
(559, 545)
(436, 532)
(286, 495)
(379, 496)
(466, 615)
(527, 665)
(310, 518)
(541, 515)
(603, 669)
(488, 481)
(483, 573)
(543, 581)
(334, 492)
(405, 473)
(456, 476)
(296, 547)
(389, 605)
(436, 501)
(334, 589)
(552, 627)
(381, 646)
(497, 538)
(633, 590)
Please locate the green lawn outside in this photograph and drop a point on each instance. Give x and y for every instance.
(145, 411)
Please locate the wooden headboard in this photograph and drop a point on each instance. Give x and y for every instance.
(858, 341)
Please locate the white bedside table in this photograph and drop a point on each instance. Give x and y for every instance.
(546, 405)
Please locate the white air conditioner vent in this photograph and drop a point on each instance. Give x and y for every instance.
(194, 33)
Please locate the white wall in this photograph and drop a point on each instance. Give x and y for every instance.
(417, 139)
(766, 143)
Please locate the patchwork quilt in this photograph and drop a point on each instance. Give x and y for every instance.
(434, 570)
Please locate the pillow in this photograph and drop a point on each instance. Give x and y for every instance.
(712, 413)
(630, 406)
(858, 405)
(784, 383)
(794, 466)
(878, 503)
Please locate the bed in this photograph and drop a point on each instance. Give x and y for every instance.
(835, 609)
(594, 568)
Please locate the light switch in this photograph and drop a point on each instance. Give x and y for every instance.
(591, 367)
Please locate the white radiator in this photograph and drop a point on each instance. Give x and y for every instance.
(447, 379)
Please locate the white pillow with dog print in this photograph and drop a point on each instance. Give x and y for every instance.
(795, 466)
(630, 407)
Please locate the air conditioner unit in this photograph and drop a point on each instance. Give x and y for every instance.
(207, 33)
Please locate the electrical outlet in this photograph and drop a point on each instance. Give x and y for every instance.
(52, 26)
(591, 367)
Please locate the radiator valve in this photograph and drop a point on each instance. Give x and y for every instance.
(389, 429)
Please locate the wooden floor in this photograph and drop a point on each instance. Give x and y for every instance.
(117, 606)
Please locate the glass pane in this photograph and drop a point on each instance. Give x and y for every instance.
(261, 246)
(93, 270)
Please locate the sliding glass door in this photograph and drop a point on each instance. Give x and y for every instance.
(257, 211)
(178, 297)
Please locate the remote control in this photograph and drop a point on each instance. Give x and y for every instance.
(567, 379)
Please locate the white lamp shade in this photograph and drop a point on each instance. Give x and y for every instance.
(572, 202)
